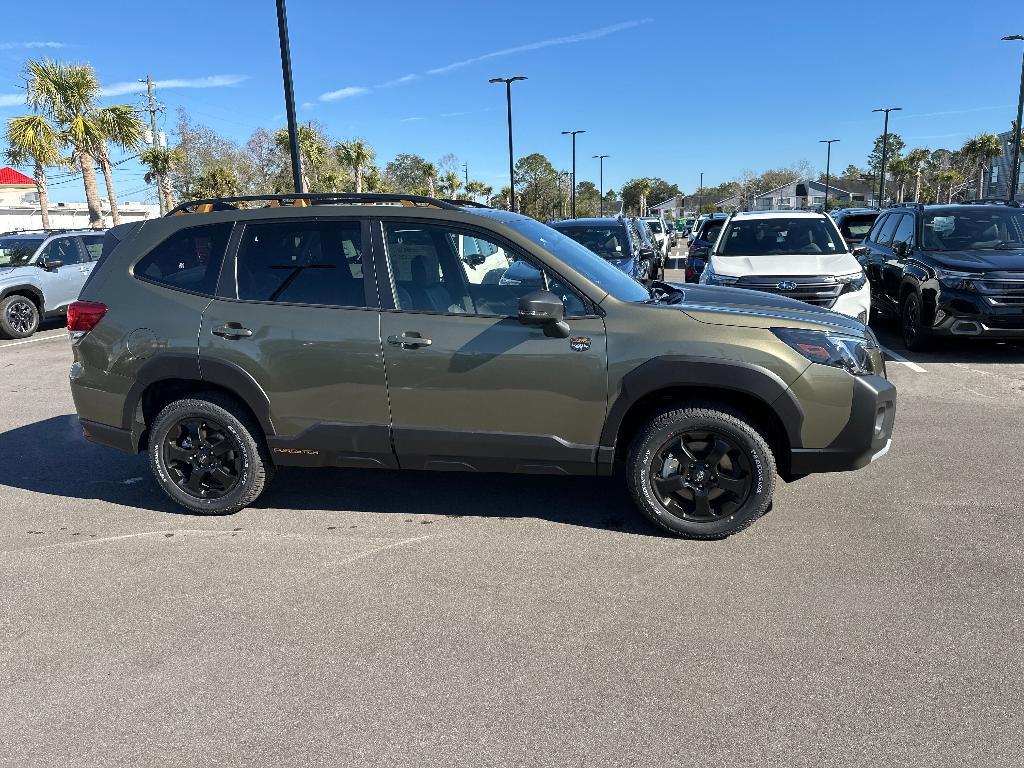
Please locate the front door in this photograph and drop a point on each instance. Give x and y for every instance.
(470, 386)
(299, 316)
(63, 284)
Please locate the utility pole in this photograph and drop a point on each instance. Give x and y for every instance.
(885, 150)
(511, 166)
(828, 166)
(700, 195)
(600, 189)
(465, 167)
(1017, 127)
(572, 204)
(153, 136)
(289, 96)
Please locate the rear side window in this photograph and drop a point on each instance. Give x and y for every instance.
(856, 227)
(302, 262)
(93, 246)
(188, 260)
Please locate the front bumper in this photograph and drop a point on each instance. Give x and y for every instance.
(966, 313)
(856, 304)
(866, 436)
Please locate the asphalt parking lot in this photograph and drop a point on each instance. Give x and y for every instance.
(375, 618)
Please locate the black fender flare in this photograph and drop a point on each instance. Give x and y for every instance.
(26, 289)
(707, 372)
(180, 366)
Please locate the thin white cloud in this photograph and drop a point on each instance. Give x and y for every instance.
(211, 81)
(565, 40)
(12, 99)
(958, 111)
(344, 93)
(398, 81)
(31, 44)
(411, 119)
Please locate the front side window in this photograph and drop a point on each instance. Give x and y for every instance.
(188, 260)
(775, 237)
(302, 262)
(888, 229)
(18, 251)
(904, 231)
(980, 228)
(63, 249)
(876, 228)
(436, 268)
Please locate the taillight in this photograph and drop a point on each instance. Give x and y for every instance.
(83, 316)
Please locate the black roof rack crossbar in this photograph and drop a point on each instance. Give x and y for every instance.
(918, 206)
(992, 201)
(463, 203)
(302, 199)
(50, 231)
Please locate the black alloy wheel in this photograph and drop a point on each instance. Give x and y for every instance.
(910, 323)
(20, 317)
(202, 458)
(701, 476)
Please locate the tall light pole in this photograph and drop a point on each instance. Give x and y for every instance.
(600, 189)
(511, 169)
(1015, 163)
(885, 150)
(828, 166)
(700, 195)
(572, 204)
(289, 96)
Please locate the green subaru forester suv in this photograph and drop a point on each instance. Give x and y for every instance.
(399, 332)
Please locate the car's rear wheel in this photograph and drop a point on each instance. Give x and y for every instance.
(19, 317)
(915, 338)
(701, 472)
(208, 455)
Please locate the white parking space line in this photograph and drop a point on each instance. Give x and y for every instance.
(60, 335)
(900, 359)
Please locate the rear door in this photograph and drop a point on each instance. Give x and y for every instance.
(297, 312)
(471, 387)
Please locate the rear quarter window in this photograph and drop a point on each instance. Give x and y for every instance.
(188, 260)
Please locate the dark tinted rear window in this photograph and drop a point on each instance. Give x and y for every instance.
(607, 242)
(189, 260)
(857, 227)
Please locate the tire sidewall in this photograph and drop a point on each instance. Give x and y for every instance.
(9, 330)
(653, 439)
(168, 418)
(905, 311)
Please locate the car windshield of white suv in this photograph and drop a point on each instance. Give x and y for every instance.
(779, 237)
(17, 251)
(978, 229)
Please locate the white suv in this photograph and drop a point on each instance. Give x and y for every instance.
(40, 274)
(799, 254)
(660, 232)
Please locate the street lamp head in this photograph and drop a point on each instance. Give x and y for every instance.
(1014, 37)
(506, 79)
(888, 109)
(828, 141)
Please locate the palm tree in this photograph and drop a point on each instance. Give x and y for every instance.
(357, 155)
(430, 178)
(218, 181)
(313, 150)
(121, 127)
(31, 138)
(450, 184)
(644, 189)
(950, 178)
(900, 168)
(980, 151)
(915, 159)
(161, 161)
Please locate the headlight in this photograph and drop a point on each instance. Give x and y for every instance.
(853, 282)
(710, 278)
(850, 353)
(960, 281)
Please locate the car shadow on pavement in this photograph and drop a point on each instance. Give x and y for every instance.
(51, 457)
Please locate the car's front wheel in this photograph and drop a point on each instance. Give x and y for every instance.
(208, 455)
(19, 317)
(915, 338)
(702, 472)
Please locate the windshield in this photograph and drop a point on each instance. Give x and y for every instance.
(606, 242)
(973, 229)
(586, 262)
(17, 251)
(777, 237)
(857, 227)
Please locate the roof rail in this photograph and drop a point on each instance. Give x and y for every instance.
(992, 201)
(463, 203)
(51, 231)
(304, 199)
(916, 206)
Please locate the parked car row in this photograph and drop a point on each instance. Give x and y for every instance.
(41, 273)
(627, 242)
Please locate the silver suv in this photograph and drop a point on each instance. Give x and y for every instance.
(40, 274)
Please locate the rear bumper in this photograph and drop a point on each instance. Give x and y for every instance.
(865, 438)
(112, 437)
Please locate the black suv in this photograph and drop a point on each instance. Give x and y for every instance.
(614, 240)
(701, 239)
(948, 269)
(854, 223)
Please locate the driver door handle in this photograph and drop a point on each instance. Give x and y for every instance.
(232, 331)
(409, 340)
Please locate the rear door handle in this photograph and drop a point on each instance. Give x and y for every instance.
(232, 331)
(409, 340)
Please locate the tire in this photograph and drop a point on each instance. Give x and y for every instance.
(915, 338)
(243, 460)
(19, 317)
(747, 468)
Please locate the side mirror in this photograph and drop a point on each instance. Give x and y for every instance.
(861, 250)
(902, 250)
(52, 264)
(546, 309)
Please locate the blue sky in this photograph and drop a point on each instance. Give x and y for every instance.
(666, 89)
